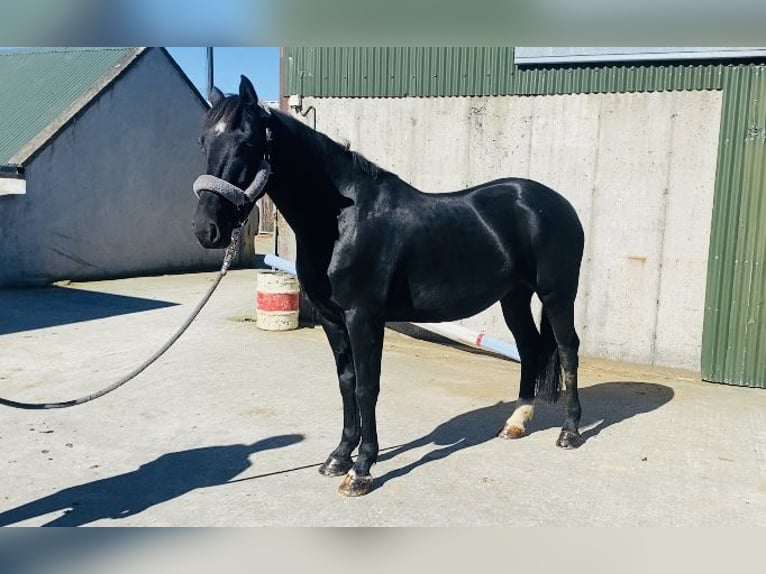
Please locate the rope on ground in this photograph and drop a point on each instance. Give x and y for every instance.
(227, 260)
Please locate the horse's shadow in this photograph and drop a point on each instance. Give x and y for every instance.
(175, 474)
(604, 405)
(167, 477)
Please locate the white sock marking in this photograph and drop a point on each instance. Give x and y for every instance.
(521, 415)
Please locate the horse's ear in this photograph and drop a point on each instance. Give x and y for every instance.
(247, 91)
(215, 96)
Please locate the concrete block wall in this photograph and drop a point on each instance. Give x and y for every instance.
(638, 168)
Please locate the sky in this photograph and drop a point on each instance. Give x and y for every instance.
(260, 64)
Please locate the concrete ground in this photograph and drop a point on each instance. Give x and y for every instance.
(229, 427)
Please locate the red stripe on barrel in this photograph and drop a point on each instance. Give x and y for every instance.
(277, 301)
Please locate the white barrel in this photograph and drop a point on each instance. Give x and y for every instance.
(276, 301)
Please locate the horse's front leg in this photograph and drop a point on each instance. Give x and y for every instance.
(366, 336)
(339, 462)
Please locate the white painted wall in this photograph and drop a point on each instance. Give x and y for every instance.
(638, 168)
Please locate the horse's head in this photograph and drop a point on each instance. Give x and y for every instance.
(235, 140)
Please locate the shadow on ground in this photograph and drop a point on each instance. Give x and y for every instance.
(175, 474)
(604, 405)
(417, 332)
(28, 309)
(167, 477)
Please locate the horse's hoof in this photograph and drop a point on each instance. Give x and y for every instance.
(335, 467)
(354, 485)
(569, 439)
(511, 431)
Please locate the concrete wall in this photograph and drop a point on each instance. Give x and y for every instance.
(639, 169)
(112, 194)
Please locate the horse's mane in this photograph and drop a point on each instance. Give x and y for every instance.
(339, 153)
(230, 110)
(365, 165)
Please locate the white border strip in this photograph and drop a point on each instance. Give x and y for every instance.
(13, 186)
(556, 55)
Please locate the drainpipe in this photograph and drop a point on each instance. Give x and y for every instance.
(210, 82)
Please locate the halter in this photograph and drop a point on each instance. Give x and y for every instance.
(231, 192)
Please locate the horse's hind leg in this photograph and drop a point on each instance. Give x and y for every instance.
(339, 462)
(560, 314)
(518, 316)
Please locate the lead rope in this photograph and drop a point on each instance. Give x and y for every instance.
(228, 257)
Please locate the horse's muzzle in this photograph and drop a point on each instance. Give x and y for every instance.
(210, 236)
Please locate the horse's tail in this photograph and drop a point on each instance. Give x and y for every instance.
(548, 380)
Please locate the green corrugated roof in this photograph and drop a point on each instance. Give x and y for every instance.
(38, 87)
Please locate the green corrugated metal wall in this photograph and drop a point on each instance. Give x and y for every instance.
(734, 334)
(432, 72)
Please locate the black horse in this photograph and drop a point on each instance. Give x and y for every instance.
(371, 248)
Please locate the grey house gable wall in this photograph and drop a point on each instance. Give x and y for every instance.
(110, 194)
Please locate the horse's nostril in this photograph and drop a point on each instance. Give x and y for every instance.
(214, 235)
